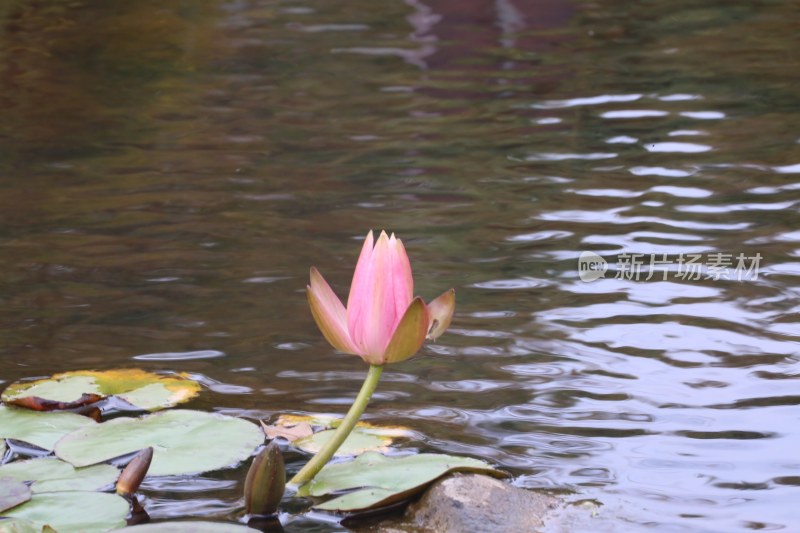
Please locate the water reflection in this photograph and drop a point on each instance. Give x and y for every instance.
(179, 356)
(171, 172)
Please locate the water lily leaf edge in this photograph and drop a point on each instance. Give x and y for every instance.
(142, 389)
(85, 511)
(50, 474)
(12, 493)
(41, 429)
(367, 485)
(184, 441)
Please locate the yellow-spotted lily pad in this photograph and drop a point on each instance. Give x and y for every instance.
(183, 441)
(53, 475)
(373, 480)
(66, 512)
(356, 443)
(39, 429)
(310, 433)
(143, 390)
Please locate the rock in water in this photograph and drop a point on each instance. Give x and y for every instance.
(468, 503)
(473, 503)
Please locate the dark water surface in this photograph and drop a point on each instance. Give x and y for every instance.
(168, 174)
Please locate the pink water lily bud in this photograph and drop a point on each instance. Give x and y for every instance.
(383, 322)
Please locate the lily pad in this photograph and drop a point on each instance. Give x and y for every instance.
(365, 499)
(12, 493)
(376, 480)
(193, 526)
(3, 448)
(68, 512)
(183, 441)
(144, 390)
(356, 443)
(322, 422)
(298, 430)
(39, 429)
(53, 475)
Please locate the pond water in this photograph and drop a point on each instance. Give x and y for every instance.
(169, 172)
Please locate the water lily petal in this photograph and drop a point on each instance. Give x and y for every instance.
(441, 313)
(329, 313)
(401, 276)
(371, 313)
(409, 335)
(360, 296)
(380, 323)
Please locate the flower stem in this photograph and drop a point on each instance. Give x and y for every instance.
(316, 463)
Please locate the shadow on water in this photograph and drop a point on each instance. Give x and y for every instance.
(170, 172)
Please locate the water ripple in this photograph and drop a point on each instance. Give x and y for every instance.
(777, 206)
(159, 508)
(540, 236)
(687, 133)
(511, 284)
(622, 139)
(634, 113)
(584, 101)
(683, 341)
(679, 97)
(659, 171)
(703, 115)
(683, 192)
(180, 356)
(612, 216)
(471, 385)
(676, 147)
(565, 157)
(788, 169)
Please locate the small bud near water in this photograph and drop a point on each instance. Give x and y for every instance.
(133, 474)
(265, 482)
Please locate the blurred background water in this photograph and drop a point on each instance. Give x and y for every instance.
(170, 170)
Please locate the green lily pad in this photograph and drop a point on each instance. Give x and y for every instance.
(39, 429)
(193, 526)
(144, 390)
(376, 480)
(12, 493)
(183, 441)
(365, 499)
(53, 475)
(68, 512)
(3, 448)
